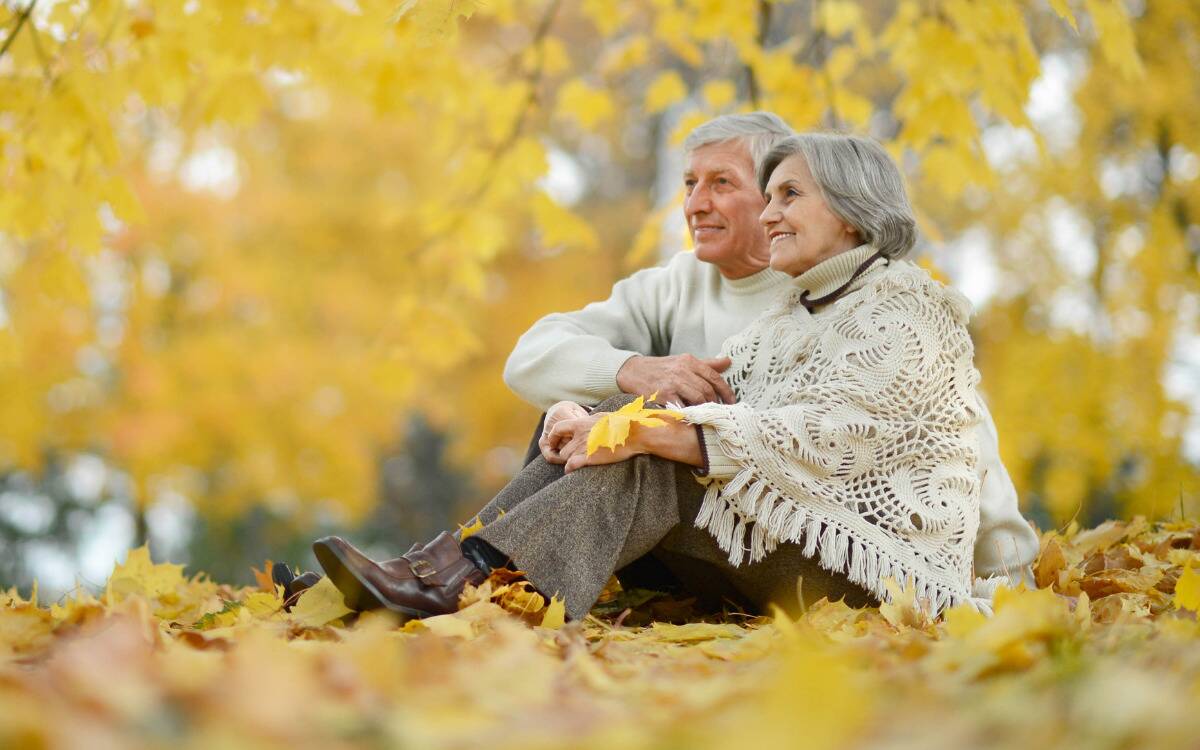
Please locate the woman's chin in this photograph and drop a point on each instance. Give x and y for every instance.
(783, 263)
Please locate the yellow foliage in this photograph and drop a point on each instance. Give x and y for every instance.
(612, 429)
(466, 532)
(272, 231)
(234, 671)
(319, 605)
(719, 94)
(586, 105)
(1187, 590)
(666, 89)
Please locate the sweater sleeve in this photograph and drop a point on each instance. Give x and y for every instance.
(575, 356)
(718, 464)
(1006, 545)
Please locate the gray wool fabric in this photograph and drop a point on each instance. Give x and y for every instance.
(571, 532)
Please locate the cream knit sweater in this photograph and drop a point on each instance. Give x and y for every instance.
(686, 306)
(855, 432)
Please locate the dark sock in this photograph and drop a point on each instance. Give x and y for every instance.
(483, 555)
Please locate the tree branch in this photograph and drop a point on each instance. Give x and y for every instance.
(764, 27)
(533, 78)
(21, 21)
(826, 76)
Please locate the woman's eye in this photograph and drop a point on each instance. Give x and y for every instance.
(792, 193)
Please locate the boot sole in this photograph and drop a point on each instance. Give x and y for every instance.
(360, 595)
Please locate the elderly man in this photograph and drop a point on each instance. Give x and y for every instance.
(662, 328)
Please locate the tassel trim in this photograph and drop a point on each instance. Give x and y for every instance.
(727, 512)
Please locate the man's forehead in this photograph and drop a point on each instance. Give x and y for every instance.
(726, 156)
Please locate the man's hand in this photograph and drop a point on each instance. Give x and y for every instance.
(563, 410)
(682, 378)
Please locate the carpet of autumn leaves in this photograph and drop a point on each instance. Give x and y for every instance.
(1105, 655)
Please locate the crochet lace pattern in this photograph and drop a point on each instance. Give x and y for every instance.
(854, 429)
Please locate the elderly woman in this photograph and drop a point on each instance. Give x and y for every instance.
(849, 457)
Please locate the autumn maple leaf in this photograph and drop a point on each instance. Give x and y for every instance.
(613, 429)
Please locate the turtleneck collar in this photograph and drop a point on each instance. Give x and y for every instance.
(755, 282)
(833, 277)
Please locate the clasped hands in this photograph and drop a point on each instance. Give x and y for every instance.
(681, 378)
(565, 436)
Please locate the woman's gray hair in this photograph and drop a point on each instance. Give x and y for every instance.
(859, 181)
(761, 131)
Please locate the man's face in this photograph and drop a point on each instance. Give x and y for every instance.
(722, 206)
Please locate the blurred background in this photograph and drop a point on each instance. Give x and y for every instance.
(261, 264)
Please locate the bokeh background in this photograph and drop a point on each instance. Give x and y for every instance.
(261, 263)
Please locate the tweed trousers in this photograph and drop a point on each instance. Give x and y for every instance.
(570, 532)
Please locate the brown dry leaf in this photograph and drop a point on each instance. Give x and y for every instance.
(1123, 607)
(1119, 581)
(262, 578)
(1051, 560)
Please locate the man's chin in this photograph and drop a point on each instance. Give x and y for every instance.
(709, 252)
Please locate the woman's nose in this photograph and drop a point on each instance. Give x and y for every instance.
(768, 215)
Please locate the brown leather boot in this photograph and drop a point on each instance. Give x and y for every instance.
(424, 581)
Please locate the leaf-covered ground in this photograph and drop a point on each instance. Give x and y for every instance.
(1107, 655)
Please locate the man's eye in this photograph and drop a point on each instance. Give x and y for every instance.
(722, 181)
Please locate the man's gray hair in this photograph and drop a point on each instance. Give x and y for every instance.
(760, 131)
(859, 181)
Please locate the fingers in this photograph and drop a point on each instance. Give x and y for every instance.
(718, 363)
(723, 393)
(550, 453)
(703, 385)
(577, 461)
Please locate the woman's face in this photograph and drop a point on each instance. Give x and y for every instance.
(800, 227)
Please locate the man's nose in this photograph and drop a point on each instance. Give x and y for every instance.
(698, 202)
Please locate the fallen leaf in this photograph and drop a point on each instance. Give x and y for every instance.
(319, 604)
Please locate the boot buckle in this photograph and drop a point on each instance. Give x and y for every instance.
(422, 568)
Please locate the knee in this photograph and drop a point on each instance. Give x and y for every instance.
(612, 403)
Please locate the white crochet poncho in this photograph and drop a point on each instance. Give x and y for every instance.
(854, 433)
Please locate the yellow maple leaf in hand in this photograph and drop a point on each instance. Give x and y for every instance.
(612, 430)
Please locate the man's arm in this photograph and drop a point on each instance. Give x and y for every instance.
(616, 346)
(575, 356)
(1006, 544)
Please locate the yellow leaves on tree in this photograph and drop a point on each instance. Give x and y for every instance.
(666, 89)
(612, 429)
(388, 183)
(587, 105)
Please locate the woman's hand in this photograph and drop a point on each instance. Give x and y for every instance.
(674, 440)
(563, 410)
